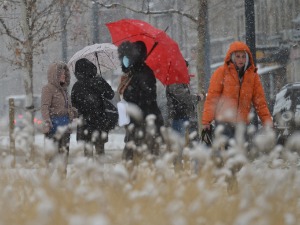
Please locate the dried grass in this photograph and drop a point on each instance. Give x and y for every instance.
(96, 193)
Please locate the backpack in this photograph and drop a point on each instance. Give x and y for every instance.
(111, 115)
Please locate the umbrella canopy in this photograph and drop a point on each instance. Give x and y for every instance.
(164, 56)
(104, 56)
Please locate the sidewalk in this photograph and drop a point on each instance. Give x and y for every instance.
(115, 142)
(113, 149)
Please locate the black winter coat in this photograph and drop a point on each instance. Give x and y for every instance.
(87, 96)
(142, 91)
(180, 102)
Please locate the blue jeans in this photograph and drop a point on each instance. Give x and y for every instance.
(63, 141)
(178, 125)
(58, 121)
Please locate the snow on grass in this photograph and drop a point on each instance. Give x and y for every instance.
(108, 190)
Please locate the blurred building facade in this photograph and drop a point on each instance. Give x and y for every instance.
(277, 31)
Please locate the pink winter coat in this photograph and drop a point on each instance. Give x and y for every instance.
(55, 100)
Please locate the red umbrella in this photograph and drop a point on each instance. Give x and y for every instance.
(164, 56)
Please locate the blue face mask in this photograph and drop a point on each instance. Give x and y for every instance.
(125, 61)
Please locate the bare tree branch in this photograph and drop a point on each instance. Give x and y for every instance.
(35, 22)
(46, 37)
(149, 12)
(8, 32)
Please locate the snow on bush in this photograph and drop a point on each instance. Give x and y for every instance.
(110, 191)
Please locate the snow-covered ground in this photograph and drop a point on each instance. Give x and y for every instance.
(153, 192)
(113, 149)
(115, 141)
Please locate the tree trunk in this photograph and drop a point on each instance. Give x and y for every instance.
(201, 29)
(28, 77)
(28, 80)
(28, 52)
(64, 39)
(250, 40)
(29, 107)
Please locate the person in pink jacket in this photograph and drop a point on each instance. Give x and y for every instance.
(56, 108)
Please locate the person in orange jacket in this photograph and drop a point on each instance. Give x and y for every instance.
(233, 88)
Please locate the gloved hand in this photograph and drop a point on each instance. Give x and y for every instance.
(203, 94)
(47, 125)
(206, 127)
(201, 97)
(207, 134)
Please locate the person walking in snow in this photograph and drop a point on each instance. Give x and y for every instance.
(181, 104)
(56, 108)
(138, 87)
(233, 88)
(181, 108)
(88, 95)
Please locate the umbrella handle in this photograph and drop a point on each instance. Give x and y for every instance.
(98, 63)
(153, 47)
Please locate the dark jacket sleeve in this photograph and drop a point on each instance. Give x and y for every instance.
(182, 93)
(147, 84)
(102, 88)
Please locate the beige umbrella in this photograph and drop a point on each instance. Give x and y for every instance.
(104, 56)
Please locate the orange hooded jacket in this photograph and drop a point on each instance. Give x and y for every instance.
(229, 99)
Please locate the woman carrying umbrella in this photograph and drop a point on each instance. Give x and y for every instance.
(88, 95)
(138, 87)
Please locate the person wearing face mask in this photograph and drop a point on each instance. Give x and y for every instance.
(233, 88)
(138, 88)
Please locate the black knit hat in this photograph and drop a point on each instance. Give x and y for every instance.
(85, 69)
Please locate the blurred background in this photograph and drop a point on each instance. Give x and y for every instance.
(35, 34)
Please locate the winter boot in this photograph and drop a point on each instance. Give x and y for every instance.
(99, 148)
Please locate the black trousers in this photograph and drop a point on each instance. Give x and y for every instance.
(230, 130)
(62, 141)
(140, 136)
(93, 139)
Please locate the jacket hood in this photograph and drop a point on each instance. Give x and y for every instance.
(238, 46)
(54, 71)
(136, 52)
(85, 69)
